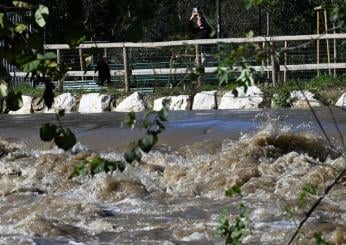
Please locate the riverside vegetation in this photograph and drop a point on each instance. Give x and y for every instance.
(44, 65)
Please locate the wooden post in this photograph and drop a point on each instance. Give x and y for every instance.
(61, 81)
(334, 49)
(81, 59)
(317, 9)
(126, 70)
(327, 40)
(198, 66)
(58, 60)
(266, 62)
(274, 72)
(285, 60)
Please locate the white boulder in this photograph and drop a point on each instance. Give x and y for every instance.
(94, 103)
(299, 99)
(299, 95)
(341, 101)
(241, 99)
(134, 103)
(26, 108)
(250, 91)
(205, 100)
(177, 103)
(64, 101)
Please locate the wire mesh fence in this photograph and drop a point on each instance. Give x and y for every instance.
(168, 64)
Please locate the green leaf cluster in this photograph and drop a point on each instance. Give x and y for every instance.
(95, 166)
(236, 67)
(234, 231)
(63, 137)
(153, 123)
(9, 99)
(308, 189)
(319, 240)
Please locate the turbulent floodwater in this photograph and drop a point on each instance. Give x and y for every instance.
(176, 195)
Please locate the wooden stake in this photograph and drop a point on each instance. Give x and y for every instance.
(327, 40)
(126, 70)
(334, 50)
(198, 66)
(318, 42)
(285, 60)
(274, 78)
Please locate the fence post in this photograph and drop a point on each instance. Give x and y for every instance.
(334, 50)
(61, 81)
(58, 56)
(274, 65)
(126, 70)
(318, 40)
(327, 40)
(198, 66)
(81, 61)
(285, 60)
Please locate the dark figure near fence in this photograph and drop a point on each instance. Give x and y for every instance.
(104, 72)
(198, 25)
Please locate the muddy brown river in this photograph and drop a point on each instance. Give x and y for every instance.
(176, 195)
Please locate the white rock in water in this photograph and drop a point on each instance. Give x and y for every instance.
(298, 95)
(298, 100)
(304, 103)
(177, 103)
(250, 91)
(94, 103)
(252, 98)
(64, 101)
(26, 108)
(341, 101)
(134, 103)
(205, 100)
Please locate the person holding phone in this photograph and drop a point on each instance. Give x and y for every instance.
(198, 25)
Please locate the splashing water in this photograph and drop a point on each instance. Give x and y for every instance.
(176, 193)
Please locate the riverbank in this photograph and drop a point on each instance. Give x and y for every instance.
(319, 91)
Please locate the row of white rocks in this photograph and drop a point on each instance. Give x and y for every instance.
(252, 97)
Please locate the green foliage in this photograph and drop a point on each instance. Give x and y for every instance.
(319, 239)
(63, 137)
(12, 100)
(153, 122)
(96, 165)
(29, 90)
(236, 67)
(308, 189)
(289, 213)
(23, 48)
(281, 97)
(233, 191)
(39, 15)
(234, 231)
(48, 132)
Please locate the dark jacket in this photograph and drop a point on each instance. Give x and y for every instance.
(103, 69)
(202, 32)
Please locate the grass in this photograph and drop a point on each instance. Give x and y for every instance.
(29, 90)
(327, 89)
